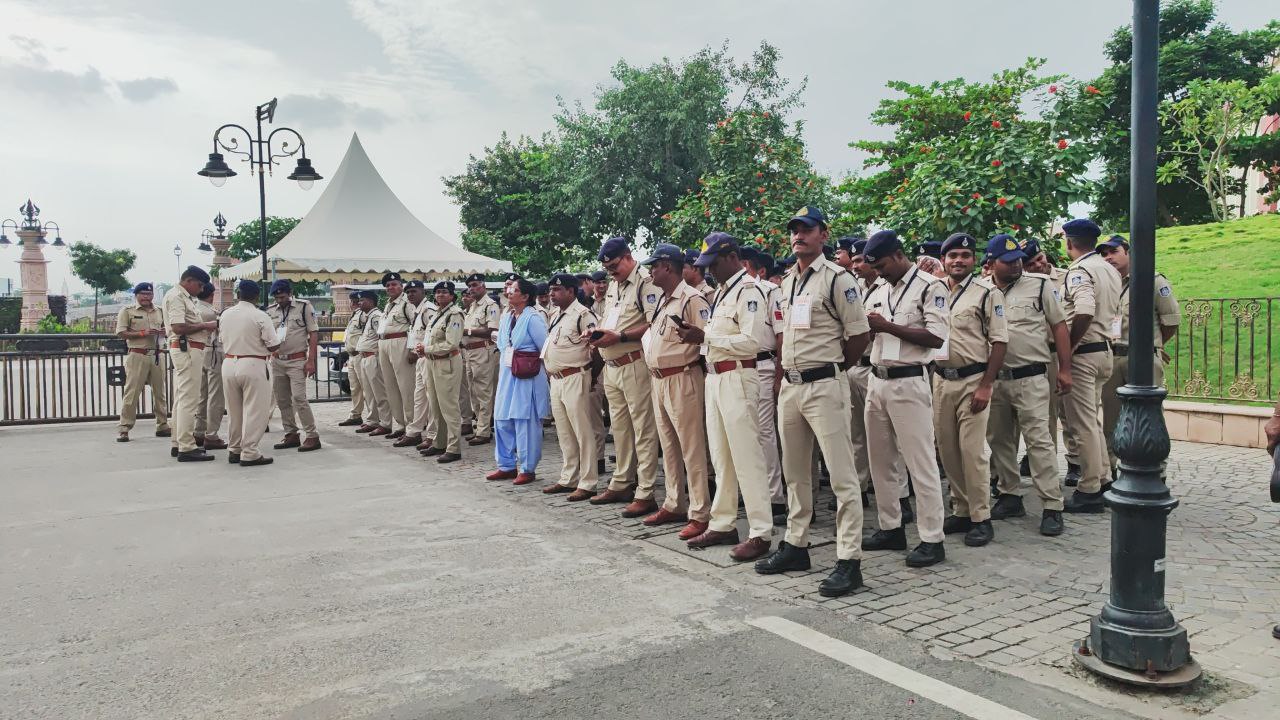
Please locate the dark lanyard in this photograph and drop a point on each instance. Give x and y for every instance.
(724, 291)
(893, 309)
(556, 322)
(285, 318)
(959, 295)
(808, 274)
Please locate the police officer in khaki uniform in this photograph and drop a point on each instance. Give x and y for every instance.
(543, 303)
(630, 301)
(1092, 303)
(732, 340)
(377, 409)
(758, 266)
(908, 315)
(678, 386)
(212, 404)
(249, 337)
(422, 427)
(351, 338)
(1020, 403)
(393, 353)
(1168, 316)
(568, 360)
(480, 356)
(142, 327)
(442, 350)
(188, 336)
(696, 278)
(297, 331)
(825, 330)
(967, 364)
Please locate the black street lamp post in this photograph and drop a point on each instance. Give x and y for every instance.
(1135, 639)
(261, 156)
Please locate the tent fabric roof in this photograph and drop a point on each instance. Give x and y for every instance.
(357, 230)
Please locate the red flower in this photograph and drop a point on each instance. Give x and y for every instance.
(995, 163)
(766, 114)
(760, 190)
(967, 115)
(706, 213)
(1018, 205)
(1062, 144)
(720, 124)
(1053, 88)
(995, 124)
(1092, 90)
(738, 209)
(751, 218)
(964, 209)
(1015, 226)
(977, 196)
(924, 148)
(1057, 173)
(1001, 201)
(759, 174)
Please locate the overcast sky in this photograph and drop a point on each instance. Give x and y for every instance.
(110, 105)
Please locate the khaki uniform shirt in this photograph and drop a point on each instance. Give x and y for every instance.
(298, 322)
(918, 300)
(208, 313)
(977, 319)
(1093, 288)
(707, 291)
(246, 330)
(444, 333)
(1031, 309)
(368, 341)
(483, 313)
(545, 312)
(1167, 311)
(663, 347)
(740, 323)
(772, 317)
(566, 347)
(426, 312)
(398, 315)
(355, 328)
(180, 307)
(627, 304)
(835, 314)
(134, 318)
(865, 288)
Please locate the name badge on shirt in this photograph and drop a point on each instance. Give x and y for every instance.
(382, 325)
(800, 313)
(507, 356)
(1115, 328)
(281, 332)
(611, 320)
(944, 352)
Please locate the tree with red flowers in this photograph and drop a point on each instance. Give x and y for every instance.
(981, 158)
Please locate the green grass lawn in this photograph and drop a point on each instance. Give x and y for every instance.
(1240, 258)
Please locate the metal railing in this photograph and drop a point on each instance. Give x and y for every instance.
(1226, 350)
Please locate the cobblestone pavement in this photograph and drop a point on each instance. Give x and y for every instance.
(1019, 603)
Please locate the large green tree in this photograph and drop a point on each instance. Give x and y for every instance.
(101, 269)
(982, 158)
(246, 242)
(1192, 47)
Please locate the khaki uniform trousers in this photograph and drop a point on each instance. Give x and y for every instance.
(289, 383)
(397, 380)
(357, 386)
(139, 372)
(900, 420)
(188, 369)
(442, 387)
(635, 439)
(482, 380)
(424, 418)
(464, 398)
(377, 411)
(858, 376)
(571, 408)
(767, 418)
(962, 444)
(819, 411)
(247, 384)
(1089, 373)
(1022, 407)
(597, 416)
(1111, 401)
(680, 415)
(212, 401)
(734, 438)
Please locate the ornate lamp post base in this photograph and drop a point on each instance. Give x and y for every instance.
(1182, 677)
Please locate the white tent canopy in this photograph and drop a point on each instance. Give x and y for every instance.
(357, 230)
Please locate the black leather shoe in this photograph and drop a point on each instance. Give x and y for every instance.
(1008, 506)
(432, 451)
(1275, 632)
(980, 534)
(173, 451)
(448, 457)
(194, 456)
(1024, 467)
(1083, 502)
(785, 559)
(926, 554)
(846, 578)
(1051, 523)
(260, 460)
(908, 515)
(1072, 478)
(956, 524)
(895, 539)
(233, 458)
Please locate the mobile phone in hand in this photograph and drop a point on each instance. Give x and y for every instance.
(678, 320)
(595, 335)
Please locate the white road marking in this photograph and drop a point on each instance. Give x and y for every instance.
(962, 701)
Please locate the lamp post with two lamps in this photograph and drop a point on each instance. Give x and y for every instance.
(31, 234)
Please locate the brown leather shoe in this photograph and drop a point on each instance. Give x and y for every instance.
(290, 440)
(693, 530)
(199, 440)
(639, 508)
(614, 496)
(753, 548)
(501, 475)
(379, 431)
(426, 443)
(555, 489)
(311, 443)
(479, 441)
(366, 428)
(579, 495)
(448, 457)
(467, 430)
(714, 537)
(524, 479)
(396, 435)
(214, 443)
(122, 436)
(431, 451)
(407, 440)
(664, 517)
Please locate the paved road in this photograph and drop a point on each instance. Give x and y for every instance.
(360, 582)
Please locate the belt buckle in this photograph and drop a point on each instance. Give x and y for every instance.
(1004, 374)
(880, 372)
(949, 373)
(794, 377)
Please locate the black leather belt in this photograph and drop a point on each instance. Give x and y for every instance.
(1092, 347)
(898, 372)
(1120, 350)
(766, 355)
(1025, 371)
(864, 361)
(961, 373)
(797, 377)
